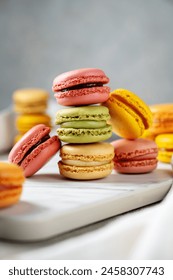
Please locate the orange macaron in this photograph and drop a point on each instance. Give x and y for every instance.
(162, 118)
(11, 181)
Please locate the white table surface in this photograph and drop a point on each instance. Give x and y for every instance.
(122, 237)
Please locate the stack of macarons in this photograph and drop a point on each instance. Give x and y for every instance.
(162, 130)
(30, 104)
(83, 124)
(130, 116)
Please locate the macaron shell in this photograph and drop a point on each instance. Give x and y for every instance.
(85, 173)
(139, 166)
(95, 152)
(79, 76)
(72, 135)
(88, 113)
(83, 96)
(30, 95)
(40, 156)
(134, 149)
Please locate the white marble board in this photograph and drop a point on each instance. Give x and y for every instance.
(52, 205)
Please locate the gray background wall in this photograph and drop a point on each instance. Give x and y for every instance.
(131, 40)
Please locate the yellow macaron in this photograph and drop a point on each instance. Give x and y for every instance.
(26, 122)
(11, 180)
(30, 100)
(86, 161)
(130, 115)
(165, 147)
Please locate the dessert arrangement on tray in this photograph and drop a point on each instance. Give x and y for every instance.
(90, 113)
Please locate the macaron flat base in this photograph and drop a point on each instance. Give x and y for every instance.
(85, 173)
(136, 167)
(71, 135)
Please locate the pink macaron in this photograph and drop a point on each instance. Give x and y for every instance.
(81, 87)
(135, 156)
(34, 149)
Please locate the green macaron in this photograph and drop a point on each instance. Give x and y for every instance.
(85, 124)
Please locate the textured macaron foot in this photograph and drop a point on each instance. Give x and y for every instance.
(130, 116)
(87, 161)
(11, 180)
(34, 149)
(81, 87)
(165, 147)
(135, 156)
(85, 124)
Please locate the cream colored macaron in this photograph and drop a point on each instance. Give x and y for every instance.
(86, 161)
(30, 100)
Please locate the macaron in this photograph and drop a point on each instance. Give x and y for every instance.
(130, 116)
(165, 146)
(135, 156)
(34, 149)
(11, 181)
(86, 161)
(30, 100)
(81, 87)
(25, 122)
(85, 124)
(162, 118)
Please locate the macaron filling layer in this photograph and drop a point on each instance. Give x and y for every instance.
(84, 124)
(61, 119)
(84, 163)
(79, 132)
(79, 86)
